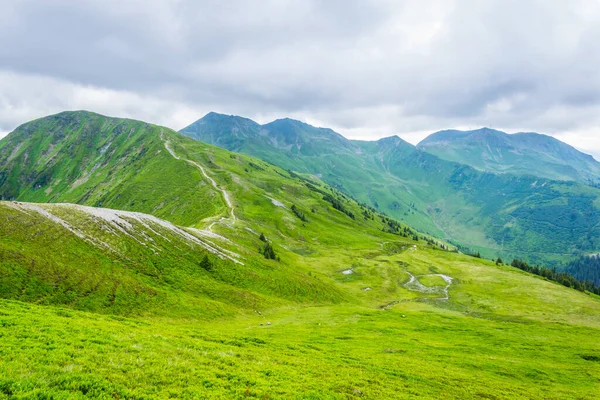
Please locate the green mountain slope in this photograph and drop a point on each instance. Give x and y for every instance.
(86, 158)
(115, 303)
(520, 154)
(112, 261)
(512, 216)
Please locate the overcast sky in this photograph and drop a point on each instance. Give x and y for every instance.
(367, 69)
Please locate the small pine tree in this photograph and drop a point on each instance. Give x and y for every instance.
(499, 261)
(299, 213)
(262, 237)
(206, 263)
(269, 252)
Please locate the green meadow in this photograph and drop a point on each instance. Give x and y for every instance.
(487, 341)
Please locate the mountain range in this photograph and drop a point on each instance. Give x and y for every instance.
(520, 154)
(509, 214)
(136, 262)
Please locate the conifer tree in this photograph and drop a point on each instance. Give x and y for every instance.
(206, 263)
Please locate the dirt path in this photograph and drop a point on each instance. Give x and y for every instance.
(232, 218)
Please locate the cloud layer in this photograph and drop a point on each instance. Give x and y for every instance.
(366, 68)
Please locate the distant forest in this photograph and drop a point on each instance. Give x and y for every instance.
(585, 269)
(564, 278)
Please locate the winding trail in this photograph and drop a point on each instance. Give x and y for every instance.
(232, 218)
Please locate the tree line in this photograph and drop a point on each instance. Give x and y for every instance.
(586, 268)
(564, 278)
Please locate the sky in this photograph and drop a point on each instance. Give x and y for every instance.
(367, 69)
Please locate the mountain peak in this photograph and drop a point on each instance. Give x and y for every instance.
(392, 140)
(94, 123)
(71, 114)
(215, 116)
(220, 126)
(280, 122)
(526, 153)
(286, 121)
(450, 135)
(487, 130)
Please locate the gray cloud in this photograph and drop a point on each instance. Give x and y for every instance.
(366, 68)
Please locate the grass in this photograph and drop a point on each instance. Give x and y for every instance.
(336, 352)
(432, 280)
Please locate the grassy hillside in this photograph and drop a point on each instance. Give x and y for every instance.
(109, 303)
(512, 216)
(86, 158)
(520, 154)
(126, 263)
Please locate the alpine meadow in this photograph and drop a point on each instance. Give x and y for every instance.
(310, 200)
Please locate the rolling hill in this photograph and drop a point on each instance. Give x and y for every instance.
(112, 288)
(519, 154)
(534, 218)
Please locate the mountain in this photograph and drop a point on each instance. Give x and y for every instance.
(285, 134)
(110, 162)
(274, 141)
(144, 206)
(517, 216)
(138, 263)
(520, 154)
(227, 131)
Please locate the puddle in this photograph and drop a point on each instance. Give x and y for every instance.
(414, 285)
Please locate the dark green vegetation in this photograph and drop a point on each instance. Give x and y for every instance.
(299, 213)
(512, 216)
(564, 278)
(100, 303)
(519, 154)
(585, 269)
